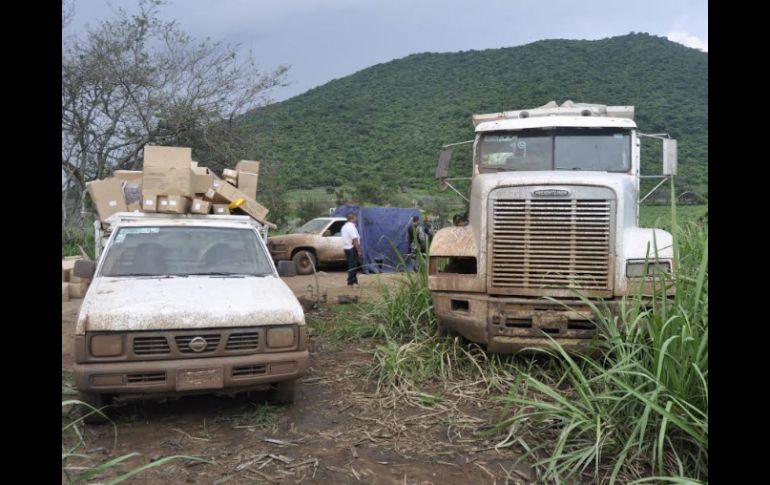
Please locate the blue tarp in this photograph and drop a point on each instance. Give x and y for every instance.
(383, 233)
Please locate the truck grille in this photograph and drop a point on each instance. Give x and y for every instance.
(176, 344)
(243, 341)
(537, 244)
(183, 343)
(151, 345)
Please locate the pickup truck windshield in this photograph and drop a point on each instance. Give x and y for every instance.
(183, 251)
(314, 226)
(605, 150)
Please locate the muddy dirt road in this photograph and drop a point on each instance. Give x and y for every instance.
(340, 430)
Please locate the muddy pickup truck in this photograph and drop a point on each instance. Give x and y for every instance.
(318, 241)
(184, 304)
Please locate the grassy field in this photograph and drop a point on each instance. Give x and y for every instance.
(634, 410)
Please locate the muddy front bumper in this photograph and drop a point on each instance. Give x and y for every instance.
(510, 324)
(190, 376)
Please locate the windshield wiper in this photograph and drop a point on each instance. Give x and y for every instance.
(224, 273)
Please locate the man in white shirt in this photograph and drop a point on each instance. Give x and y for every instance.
(351, 242)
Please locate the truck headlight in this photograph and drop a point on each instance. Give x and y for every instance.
(280, 337)
(106, 345)
(642, 268)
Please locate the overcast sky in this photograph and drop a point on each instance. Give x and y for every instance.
(326, 39)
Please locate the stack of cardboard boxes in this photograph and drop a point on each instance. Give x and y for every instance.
(173, 183)
(71, 285)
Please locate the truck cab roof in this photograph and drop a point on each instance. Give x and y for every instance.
(551, 115)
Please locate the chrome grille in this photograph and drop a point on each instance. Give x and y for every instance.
(151, 345)
(551, 243)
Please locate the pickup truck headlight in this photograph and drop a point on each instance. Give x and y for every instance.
(280, 337)
(106, 345)
(636, 269)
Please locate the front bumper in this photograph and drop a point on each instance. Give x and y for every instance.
(510, 324)
(188, 376)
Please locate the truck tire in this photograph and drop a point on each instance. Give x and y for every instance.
(282, 392)
(304, 261)
(98, 401)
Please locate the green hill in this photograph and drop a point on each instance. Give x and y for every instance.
(387, 122)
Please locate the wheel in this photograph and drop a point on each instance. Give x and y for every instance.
(304, 261)
(98, 401)
(282, 392)
(444, 331)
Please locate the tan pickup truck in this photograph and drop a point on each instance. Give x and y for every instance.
(318, 241)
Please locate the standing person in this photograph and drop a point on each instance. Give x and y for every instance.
(351, 242)
(427, 234)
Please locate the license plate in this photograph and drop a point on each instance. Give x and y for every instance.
(199, 379)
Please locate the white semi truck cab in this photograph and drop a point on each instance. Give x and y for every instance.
(553, 216)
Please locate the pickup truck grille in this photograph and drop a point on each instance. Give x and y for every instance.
(550, 246)
(176, 344)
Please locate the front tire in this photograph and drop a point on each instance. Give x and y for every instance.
(97, 401)
(304, 261)
(282, 392)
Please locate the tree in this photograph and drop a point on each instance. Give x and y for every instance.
(135, 80)
(272, 192)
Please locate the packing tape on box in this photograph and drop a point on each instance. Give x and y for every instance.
(236, 203)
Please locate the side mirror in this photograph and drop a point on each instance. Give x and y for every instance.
(286, 268)
(442, 169)
(669, 156)
(84, 269)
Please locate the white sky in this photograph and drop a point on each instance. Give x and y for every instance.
(326, 39)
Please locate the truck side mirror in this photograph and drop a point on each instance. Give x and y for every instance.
(669, 156)
(442, 169)
(84, 269)
(286, 268)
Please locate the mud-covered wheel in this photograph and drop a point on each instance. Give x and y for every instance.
(444, 331)
(305, 261)
(98, 401)
(282, 392)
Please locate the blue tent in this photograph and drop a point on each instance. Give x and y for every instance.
(383, 233)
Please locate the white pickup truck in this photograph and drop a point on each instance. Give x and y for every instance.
(183, 304)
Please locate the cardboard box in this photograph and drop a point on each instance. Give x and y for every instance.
(250, 206)
(167, 170)
(247, 183)
(128, 175)
(200, 206)
(149, 202)
(221, 209)
(247, 166)
(77, 290)
(65, 292)
(202, 179)
(173, 204)
(213, 196)
(229, 173)
(232, 181)
(135, 207)
(76, 279)
(107, 196)
(248, 176)
(65, 275)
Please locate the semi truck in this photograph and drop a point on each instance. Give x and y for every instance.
(553, 226)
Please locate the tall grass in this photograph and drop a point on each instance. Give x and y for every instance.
(639, 411)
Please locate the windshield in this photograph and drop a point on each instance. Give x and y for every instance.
(314, 226)
(605, 150)
(184, 251)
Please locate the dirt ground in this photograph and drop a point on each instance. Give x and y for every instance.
(340, 429)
